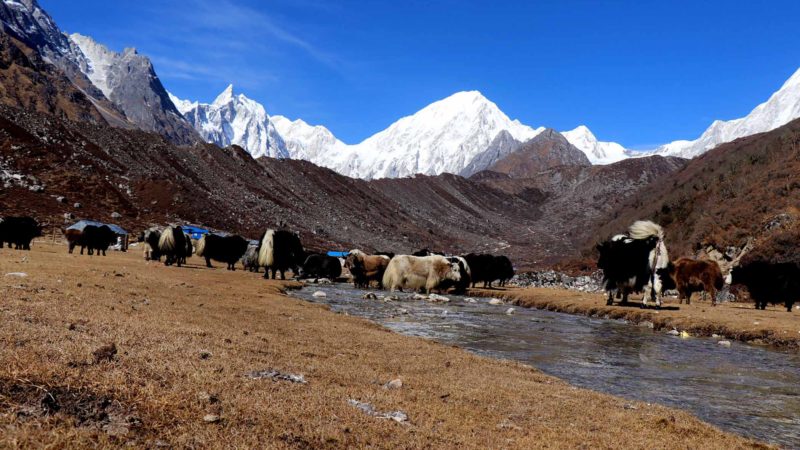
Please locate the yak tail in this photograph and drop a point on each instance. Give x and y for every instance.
(643, 229)
(266, 254)
(388, 279)
(167, 241)
(201, 245)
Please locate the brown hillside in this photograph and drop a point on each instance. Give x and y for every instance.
(27, 81)
(743, 190)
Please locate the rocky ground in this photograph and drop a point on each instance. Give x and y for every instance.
(116, 351)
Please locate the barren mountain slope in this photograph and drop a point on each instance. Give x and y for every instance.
(748, 188)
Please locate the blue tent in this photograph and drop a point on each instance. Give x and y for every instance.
(194, 232)
(80, 225)
(338, 254)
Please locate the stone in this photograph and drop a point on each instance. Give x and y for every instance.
(509, 311)
(116, 215)
(77, 205)
(674, 332)
(419, 297)
(724, 343)
(397, 383)
(319, 294)
(369, 296)
(205, 354)
(470, 300)
(495, 301)
(17, 274)
(211, 418)
(438, 298)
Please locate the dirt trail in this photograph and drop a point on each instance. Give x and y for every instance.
(740, 321)
(186, 340)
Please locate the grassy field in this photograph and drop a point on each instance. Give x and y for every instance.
(116, 351)
(739, 321)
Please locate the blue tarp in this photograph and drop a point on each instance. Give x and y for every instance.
(83, 223)
(338, 254)
(194, 232)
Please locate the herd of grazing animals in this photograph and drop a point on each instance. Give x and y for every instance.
(634, 262)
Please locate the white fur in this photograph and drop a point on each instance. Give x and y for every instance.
(418, 272)
(266, 255)
(643, 229)
(199, 246)
(167, 241)
(658, 259)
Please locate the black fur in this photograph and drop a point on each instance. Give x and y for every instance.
(18, 232)
(770, 283)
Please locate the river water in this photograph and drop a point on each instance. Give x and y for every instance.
(748, 390)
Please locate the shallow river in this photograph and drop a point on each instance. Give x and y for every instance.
(743, 389)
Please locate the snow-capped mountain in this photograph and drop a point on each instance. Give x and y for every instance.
(781, 108)
(307, 142)
(598, 152)
(442, 137)
(123, 87)
(234, 120)
(26, 21)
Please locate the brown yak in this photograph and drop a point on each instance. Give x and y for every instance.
(688, 276)
(365, 268)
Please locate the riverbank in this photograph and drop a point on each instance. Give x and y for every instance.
(738, 321)
(116, 351)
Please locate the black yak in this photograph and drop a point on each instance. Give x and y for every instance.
(18, 232)
(280, 251)
(770, 282)
(227, 249)
(630, 262)
(95, 238)
(320, 266)
(173, 245)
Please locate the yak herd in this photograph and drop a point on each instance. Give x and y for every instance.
(634, 262)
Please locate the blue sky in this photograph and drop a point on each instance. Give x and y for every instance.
(640, 73)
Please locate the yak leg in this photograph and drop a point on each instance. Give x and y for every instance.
(610, 300)
(788, 305)
(208, 263)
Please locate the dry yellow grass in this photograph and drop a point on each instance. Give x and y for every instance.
(740, 321)
(185, 339)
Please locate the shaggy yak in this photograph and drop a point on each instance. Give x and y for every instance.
(92, 237)
(321, 266)
(250, 258)
(150, 238)
(18, 232)
(630, 262)
(769, 282)
(420, 273)
(481, 268)
(173, 245)
(227, 249)
(279, 251)
(365, 268)
(465, 277)
(689, 276)
(503, 269)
